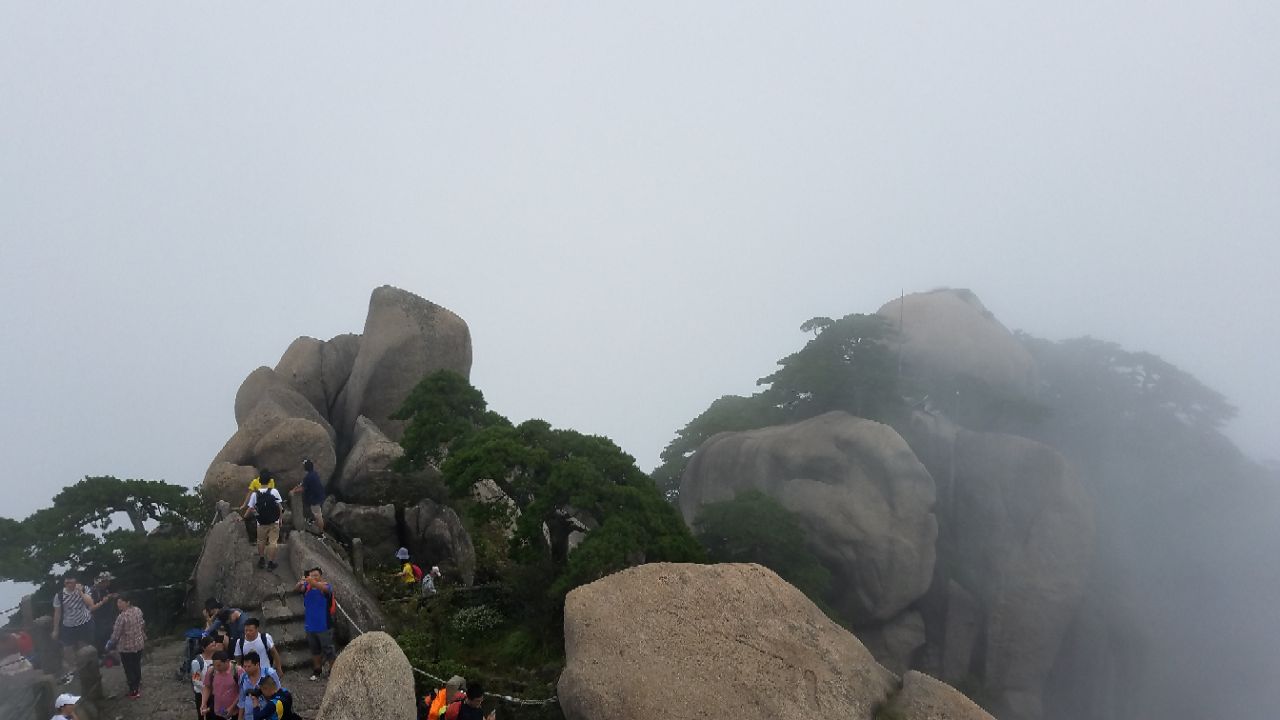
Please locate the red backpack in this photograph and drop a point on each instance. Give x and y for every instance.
(417, 572)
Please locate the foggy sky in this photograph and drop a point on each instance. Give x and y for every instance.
(633, 207)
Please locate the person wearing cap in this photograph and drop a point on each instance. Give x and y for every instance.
(429, 580)
(406, 574)
(472, 706)
(312, 489)
(103, 608)
(65, 705)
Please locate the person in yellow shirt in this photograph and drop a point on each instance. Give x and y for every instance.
(264, 480)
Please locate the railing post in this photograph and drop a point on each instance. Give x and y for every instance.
(224, 509)
(48, 650)
(26, 611)
(357, 558)
(299, 513)
(90, 675)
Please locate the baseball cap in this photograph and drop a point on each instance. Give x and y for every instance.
(65, 699)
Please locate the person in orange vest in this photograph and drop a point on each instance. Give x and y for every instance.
(452, 690)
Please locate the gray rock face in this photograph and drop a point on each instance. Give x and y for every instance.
(226, 567)
(437, 537)
(228, 481)
(949, 333)
(405, 338)
(924, 698)
(368, 463)
(698, 641)
(895, 643)
(307, 551)
(375, 525)
(28, 695)
(277, 429)
(283, 448)
(302, 366)
(337, 357)
(865, 501)
(371, 679)
(1017, 539)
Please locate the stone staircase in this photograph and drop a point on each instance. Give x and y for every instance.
(280, 611)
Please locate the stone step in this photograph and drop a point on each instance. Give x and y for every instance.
(295, 659)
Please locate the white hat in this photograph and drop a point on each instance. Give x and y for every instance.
(65, 699)
(403, 553)
(435, 569)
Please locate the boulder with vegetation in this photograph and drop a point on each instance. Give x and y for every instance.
(864, 500)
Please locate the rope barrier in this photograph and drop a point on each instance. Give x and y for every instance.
(442, 681)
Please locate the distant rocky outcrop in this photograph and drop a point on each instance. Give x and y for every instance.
(864, 500)
(1017, 537)
(405, 338)
(949, 333)
(371, 678)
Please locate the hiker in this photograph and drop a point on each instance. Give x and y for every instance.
(201, 666)
(429, 581)
(129, 636)
(65, 706)
(103, 608)
(454, 690)
(252, 673)
(471, 707)
(256, 641)
(312, 489)
(409, 572)
(221, 690)
(230, 620)
(72, 618)
(264, 480)
(271, 701)
(265, 504)
(317, 621)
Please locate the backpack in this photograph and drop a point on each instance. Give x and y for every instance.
(417, 572)
(333, 605)
(451, 712)
(267, 508)
(284, 705)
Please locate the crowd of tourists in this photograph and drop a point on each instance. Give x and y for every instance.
(234, 665)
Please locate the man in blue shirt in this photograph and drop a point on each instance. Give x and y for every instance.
(271, 702)
(254, 674)
(312, 490)
(316, 621)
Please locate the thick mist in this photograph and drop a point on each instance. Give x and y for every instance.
(634, 208)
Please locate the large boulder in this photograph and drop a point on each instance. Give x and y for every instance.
(698, 641)
(318, 370)
(864, 500)
(359, 610)
(405, 339)
(1017, 541)
(371, 678)
(436, 536)
(228, 481)
(925, 698)
(283, 448)
(302, 366)
(375, 525)
(949, 334)
(895, 643)
(226, 569)
(367, 467)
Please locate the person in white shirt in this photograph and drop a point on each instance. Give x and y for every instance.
(200, 667)
(256, 641)
(267, 506)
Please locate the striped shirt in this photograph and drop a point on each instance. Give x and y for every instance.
(74, 612)
(129, 633)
